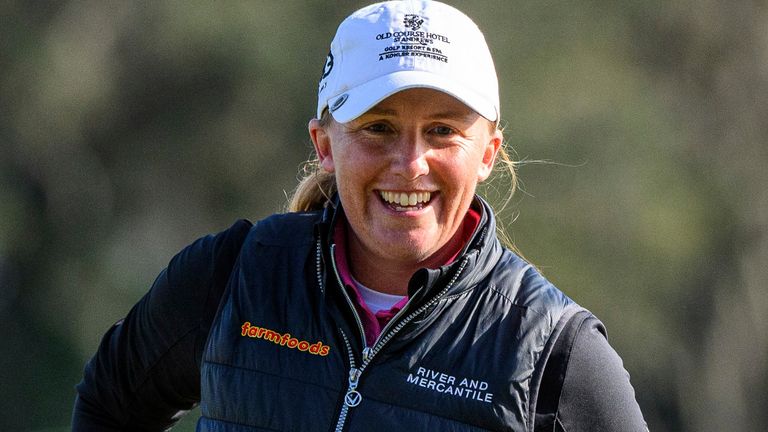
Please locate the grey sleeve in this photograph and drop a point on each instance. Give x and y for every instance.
(596, 393)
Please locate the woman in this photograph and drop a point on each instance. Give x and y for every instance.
(385, 299)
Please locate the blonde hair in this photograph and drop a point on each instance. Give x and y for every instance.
(316, 186)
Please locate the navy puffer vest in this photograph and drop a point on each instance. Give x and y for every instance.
(466, 353)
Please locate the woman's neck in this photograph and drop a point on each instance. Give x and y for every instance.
(391, 276)
(376, 273)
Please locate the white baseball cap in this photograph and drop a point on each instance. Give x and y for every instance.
(388, 47)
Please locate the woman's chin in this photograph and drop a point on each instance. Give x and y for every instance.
(406, 247)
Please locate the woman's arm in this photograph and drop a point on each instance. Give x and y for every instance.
(597, 394)
(146, 372)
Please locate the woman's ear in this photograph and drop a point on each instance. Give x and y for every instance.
(489, 155)
(322, 142)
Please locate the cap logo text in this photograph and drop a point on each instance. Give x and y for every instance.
(413, 42)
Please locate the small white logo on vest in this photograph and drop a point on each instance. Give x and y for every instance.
(353, 398)
(452, 385)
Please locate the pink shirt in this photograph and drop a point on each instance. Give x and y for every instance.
(373, 323)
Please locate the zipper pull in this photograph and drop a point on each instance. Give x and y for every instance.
(366, 354)
(353, 397)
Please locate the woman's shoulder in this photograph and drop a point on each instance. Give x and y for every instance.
(285, 229)
(526, 285)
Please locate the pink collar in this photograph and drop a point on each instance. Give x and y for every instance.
(374, 323)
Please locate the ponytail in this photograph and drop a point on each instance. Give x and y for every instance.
(315, 189)
(316, 186)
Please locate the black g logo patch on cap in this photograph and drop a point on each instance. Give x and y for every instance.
(328, 66)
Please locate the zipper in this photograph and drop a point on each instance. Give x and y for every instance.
(319, 264)
(352, 398)
(346, 295)
(385, 336)
(381, 341)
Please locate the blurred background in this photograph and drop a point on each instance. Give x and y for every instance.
(128, 129)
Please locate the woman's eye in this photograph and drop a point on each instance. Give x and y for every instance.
(443, 130)
(377, 128)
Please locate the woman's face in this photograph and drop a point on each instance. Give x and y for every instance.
(406, 172)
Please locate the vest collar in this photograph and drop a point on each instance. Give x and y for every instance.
(481, 252)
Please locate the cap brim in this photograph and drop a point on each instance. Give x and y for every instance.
(360, 99)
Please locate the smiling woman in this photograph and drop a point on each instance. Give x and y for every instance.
(417, 142)
(388, 256)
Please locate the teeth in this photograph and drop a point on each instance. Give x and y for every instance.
(403, 199)
(412, 199)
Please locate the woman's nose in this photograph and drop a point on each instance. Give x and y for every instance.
(410, 159)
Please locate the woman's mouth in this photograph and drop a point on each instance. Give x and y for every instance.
(406, 201)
